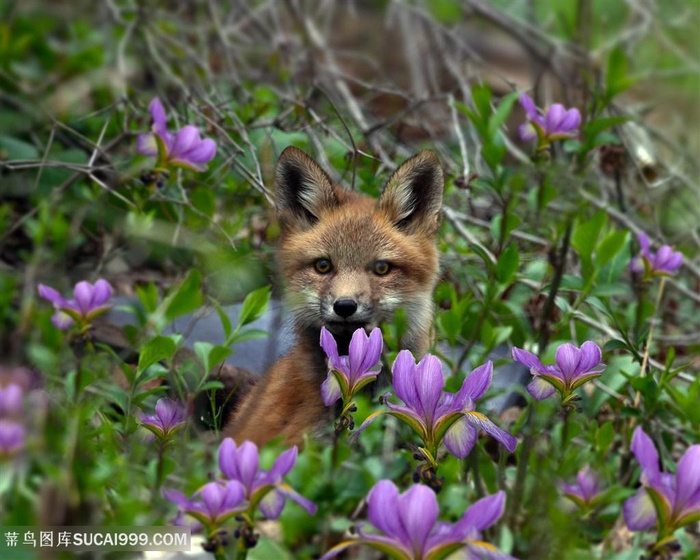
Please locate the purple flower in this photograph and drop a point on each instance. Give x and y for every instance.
(12, 437)
(556, 124)
(573, 368)
(11, 400)
(265, 490)
(185, 148)
(411, 531)
(170, 416)
(586, 491)
(89, 301)
(437, 415)
(665, 262)
(348, 374)
(213, 504)
(666, 500)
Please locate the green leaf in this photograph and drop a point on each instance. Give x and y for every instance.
(155, 350)
(254, 305)
(210, 355)
(11, 148)
(610, 246)
(594, 127)
(507, 265)
(585, 235)
(501, 114)
(616, 80)
(186, 298)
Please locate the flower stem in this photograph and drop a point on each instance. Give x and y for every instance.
(647, 349)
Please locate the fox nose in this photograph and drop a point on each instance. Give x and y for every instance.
(345, 307)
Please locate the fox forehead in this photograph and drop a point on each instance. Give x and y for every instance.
(357, 234)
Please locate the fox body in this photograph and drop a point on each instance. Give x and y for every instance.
(347, 261)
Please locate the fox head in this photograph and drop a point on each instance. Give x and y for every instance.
(351, 261)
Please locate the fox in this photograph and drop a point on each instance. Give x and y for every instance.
(347, 261)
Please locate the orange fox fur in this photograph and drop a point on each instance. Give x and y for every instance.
(348, 261)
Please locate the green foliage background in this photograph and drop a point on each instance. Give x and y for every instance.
(536, 251)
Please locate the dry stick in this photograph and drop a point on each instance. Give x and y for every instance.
(647, 349)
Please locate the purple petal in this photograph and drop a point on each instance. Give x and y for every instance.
(588, 483)
(284, 463)
(460, 438)
(247, 459)
(102, 293)
(483, 513)
(12, 437)
(637, 265)
(528, 104)
(404, 379)
(330, 347)
(529, 360)
(227, 459)
(688, 477)
(364, 351)
(429, 385)
(554, 117)
(62, 321)
(185, 139)
(639, 511)
(540, 388)
(527, 132)
(478, 420)
(212, 495)
(418, 511)
(570, 122)
(291, 494)
(477, 382)
(83, 293)
(356, 352)
(590, 357)
(644, 244)
(146, 144)
(51, 295)
(272, 504)
(645, 452)
(170, 413)
(568, 358)
(158, 116)
(330, 389)
(178, 498)
(201, 153)
(674, 262)
(383, 510)
(11, 400)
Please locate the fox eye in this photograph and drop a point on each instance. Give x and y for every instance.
(381, 268)
(323, 266)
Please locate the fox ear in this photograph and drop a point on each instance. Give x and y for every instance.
(304, 190)
(412, 198)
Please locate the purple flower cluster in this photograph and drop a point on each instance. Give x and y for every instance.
(348, 374)
(574, 367)
(170, 417)
(664, 262)
(265, 490)
(557, 123)
(245, 488)
(437, 415)
(667, 501)
(586, 491)
(184, 148)
(89, 301)
(410, 529)
(12, 432)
